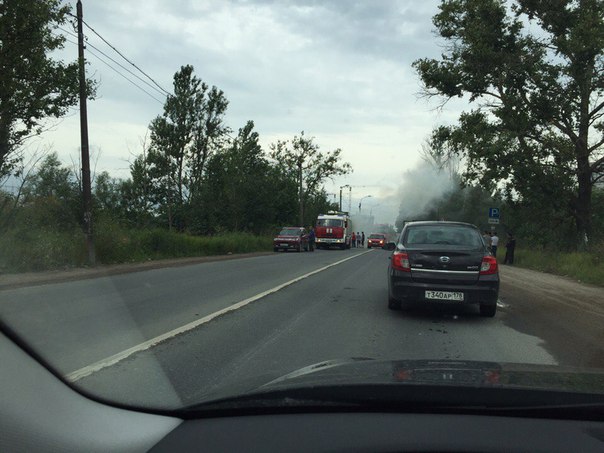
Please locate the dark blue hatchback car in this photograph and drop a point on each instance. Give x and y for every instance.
(442, 262)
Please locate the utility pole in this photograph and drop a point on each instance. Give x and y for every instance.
(301, 191)
(86, 185)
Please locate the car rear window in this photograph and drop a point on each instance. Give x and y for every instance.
(448, 235)
(376, 236)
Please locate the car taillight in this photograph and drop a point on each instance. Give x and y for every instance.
(400, 261)
(489, 265)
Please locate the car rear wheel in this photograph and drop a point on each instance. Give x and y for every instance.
(488, 311)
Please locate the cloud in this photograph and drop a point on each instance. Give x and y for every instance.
(340, 71)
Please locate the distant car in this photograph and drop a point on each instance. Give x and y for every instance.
(376, 240)
(442, 262)
(291, 238)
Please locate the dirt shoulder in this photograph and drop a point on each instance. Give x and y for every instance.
(567, 315)
(11, 281)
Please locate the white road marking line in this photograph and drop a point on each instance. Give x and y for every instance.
(112, 360)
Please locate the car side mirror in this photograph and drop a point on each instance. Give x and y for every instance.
(389, 246)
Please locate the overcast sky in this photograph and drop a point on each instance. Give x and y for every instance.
(338, 70)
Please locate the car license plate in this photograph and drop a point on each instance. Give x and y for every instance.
(284, 245)
(444, 295)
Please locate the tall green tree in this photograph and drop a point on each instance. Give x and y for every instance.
(33, 86)
(242, 190)
(182, 139)
(302, 160)
(537, 126)
(137, 196)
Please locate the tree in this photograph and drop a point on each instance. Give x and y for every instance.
(136, 192)
(302, 160)
(538, 125)
(242, 191)
(33, 86)
(182, 139)
(53, 195)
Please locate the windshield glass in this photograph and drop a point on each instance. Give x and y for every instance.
(141, 189)
(290, 232)
(330, 223)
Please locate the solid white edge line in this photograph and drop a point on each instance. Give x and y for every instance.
(112, 360)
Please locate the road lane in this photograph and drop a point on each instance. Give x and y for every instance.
(336, 314)
(81, 322)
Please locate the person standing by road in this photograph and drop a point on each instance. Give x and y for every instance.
(358, 239)
(487, 239)
(362, 239)
(510, 246)
(353, 240)
(311, 239)
(494, 243)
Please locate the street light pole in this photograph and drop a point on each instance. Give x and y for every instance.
(366, 196)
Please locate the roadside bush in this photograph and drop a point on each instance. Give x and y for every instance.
(40, 249)
(28, 248)
(582, 266)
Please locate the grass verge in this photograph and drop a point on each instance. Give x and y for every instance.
(584, 267)
(26, 250)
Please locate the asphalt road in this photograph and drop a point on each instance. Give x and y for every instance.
(288, 311)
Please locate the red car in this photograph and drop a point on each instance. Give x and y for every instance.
(291, 238)
(376, 240)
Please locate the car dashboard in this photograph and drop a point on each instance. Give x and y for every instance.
(39, 412)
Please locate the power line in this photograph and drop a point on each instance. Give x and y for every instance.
(125, 68)
(162, 92)
(125, 58)
(73, 34)
(129, 80)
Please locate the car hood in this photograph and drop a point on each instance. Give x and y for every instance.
(442, 372)
(286, 236)
(424, 385)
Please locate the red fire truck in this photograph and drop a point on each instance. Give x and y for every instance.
(333, 229)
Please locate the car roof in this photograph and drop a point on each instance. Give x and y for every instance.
(439, 222)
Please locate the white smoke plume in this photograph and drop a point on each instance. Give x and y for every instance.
(420, 187)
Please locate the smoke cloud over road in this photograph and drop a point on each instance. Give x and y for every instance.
(420, 187)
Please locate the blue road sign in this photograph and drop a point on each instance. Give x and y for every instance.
(493, 213)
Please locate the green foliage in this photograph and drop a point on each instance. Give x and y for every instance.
(182, 140)
(51, 197)
(35, 248)
(303, 162)
(241, 190)
(582, 266)
(538, 128)
(33, 86)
